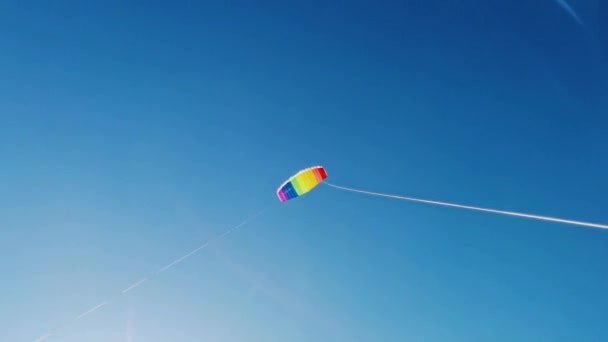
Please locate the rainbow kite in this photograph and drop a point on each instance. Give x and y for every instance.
(301, 183)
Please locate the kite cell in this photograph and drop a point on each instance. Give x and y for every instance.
(301, 183)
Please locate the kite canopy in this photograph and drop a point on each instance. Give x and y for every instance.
(301, 183)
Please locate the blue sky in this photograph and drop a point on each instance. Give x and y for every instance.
(132, 132)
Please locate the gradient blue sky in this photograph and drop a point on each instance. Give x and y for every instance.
(131, 132)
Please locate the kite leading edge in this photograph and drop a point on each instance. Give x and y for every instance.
(301, 183)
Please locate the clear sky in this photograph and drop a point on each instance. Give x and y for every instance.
(133, 131)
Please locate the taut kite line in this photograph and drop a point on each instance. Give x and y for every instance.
(135, 285)
(307, 179)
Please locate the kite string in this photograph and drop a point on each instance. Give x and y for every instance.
(135, 285)
(536, 217)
